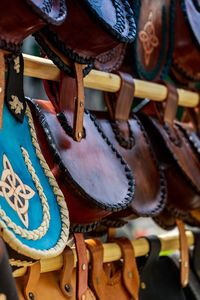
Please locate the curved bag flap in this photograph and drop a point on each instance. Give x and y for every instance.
(53, 12)
(153, 47)
(25, 18)
(186, 62)
(88, 167)
(33, 214)
(106, 23)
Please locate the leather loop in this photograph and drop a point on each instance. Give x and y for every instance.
(66, 272)
(184, 253)
(171, 104)
(120, 104)
(82, 266)
(130, 271)
(2, 85)
(79, 104)
(32, 280)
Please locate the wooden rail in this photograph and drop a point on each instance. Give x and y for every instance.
(112, 252)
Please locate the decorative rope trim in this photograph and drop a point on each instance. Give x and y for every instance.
(43, 228)
(11, 239)
(19, 263)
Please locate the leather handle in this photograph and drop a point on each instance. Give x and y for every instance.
(130, 270)
(120, 104)
(2, 84)
(82, 266)
(171, 104)
(66, 273)
(184, 253)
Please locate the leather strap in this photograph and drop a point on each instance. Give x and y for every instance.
(171, 104)
(33, 277)
(130, 270)
(2, 85)
(184, 253)
(196, 252)
(79, 104)
(82, 266)
(66, 272)
(120, 104)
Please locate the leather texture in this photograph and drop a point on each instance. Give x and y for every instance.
(126, 133)
(187, 47)
(7, 283)
(91, 18)
(152, 52)
(33, 214)
(113, 280)
(25, 18)
(111, 60)
(82, 180)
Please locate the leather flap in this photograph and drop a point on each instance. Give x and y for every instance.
(53, 12)
(192, 10)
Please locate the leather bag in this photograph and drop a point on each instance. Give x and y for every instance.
(125, 131)
(91, 28)
(33, 215)
(86, 170)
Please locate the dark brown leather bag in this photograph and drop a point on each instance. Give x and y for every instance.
(91, 28)
(126, 133)
(21, 18)
(86, 171)
(182, 174)
(186, 54)
(116, 280)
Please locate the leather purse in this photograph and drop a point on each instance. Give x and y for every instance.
(186, 62)
(86, 170)
(91, 28)
(172, 151)
(116, 280)
(33, 214)
(67, 283)
(125, 131)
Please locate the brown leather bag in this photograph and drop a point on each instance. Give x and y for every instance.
(86, 171)
(182, 174)
(186, 54)
(125, 131)
(67, 283)
(116, 280)
(91, 28)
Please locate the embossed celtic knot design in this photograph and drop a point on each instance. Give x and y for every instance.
(16, 193)
(148, 38)
(16, 105)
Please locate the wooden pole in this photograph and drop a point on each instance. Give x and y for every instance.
(112, 252)
(45, 69)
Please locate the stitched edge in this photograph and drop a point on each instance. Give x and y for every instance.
(131, 182)
(11, 239)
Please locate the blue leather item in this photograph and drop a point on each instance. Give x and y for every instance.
(27, 198)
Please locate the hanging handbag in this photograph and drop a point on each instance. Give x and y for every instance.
(91, 28)
(125, 131)
(33, 215)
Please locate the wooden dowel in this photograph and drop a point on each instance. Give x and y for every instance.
(112, 252)
(45, 69)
